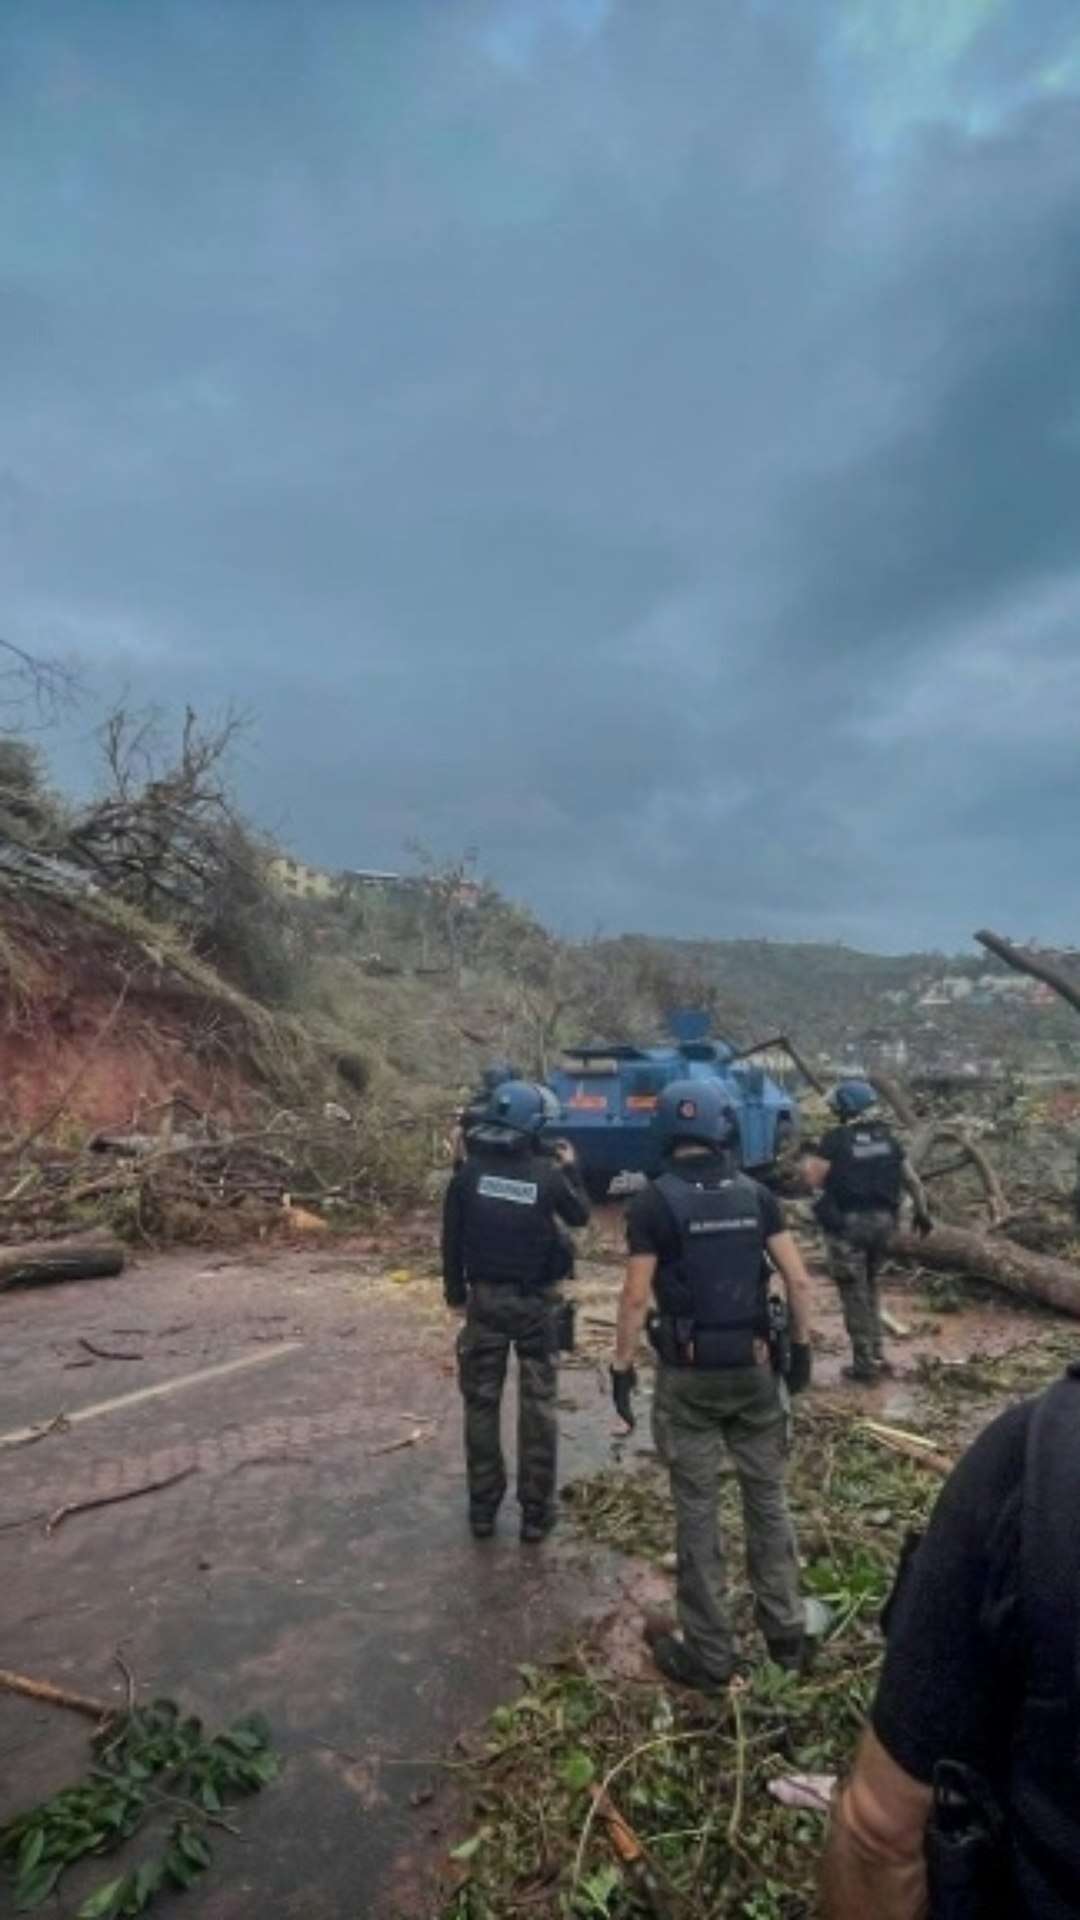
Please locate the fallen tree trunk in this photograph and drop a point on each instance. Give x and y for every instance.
(1034, 1276)
(1033, 965)
(41, 1261)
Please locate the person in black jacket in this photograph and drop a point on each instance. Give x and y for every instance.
(504, 1253)
(981, 1686)
(697, 1238)
(861, 1170)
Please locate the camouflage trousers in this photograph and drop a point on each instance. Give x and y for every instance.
(499, 1318)
(700, 1418)
(854, 1256)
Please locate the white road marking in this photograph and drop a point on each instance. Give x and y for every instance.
(22, 1434)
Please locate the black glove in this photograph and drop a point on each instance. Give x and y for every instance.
(799, 1367)
(623, 1383)
(924, 1222)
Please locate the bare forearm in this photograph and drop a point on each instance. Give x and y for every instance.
(874, 1862)
(628, 1329)
(633, 1308)
(859, 1877)
(914, 1187)
(798, 1293)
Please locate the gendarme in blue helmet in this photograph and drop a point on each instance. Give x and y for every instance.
(517, 1105)
(852, 1097)
(497, 1075)
(696, 1110)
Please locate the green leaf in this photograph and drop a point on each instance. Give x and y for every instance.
(194, 1847)
(242, 1739)
(37, 1886)
(30, 1852)
(257, 1725)
(209, 1797)
(577, 1770)
(594, 1893)
(468, 1847)
(147, 1881)
(180, 1871)
(103, 1901)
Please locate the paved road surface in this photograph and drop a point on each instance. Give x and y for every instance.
(299, 1570)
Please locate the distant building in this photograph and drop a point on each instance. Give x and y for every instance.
(299, 881)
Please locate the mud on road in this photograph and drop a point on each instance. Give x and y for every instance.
(308, 1565)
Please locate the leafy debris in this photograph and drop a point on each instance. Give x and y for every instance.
(153, 1763)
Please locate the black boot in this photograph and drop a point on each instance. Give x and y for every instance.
(482, 1524)
(791, 1654)
(536, 1524)
(676, 1662)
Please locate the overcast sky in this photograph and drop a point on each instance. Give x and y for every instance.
(639, 439)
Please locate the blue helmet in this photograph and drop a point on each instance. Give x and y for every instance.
(852, 1097)
(518, 1106)
(697, 1110)
(497, 1074)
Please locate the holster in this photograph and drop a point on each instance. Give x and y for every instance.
(967, 1865)
(779, 1336)
(679, 1342)
(827, 1214)
(671, 1338)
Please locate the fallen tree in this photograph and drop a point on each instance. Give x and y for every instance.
(38, 1262)
(1034, 1276)
(1023, 961)
(965, 1153)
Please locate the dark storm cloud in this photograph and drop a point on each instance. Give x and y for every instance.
(639, 442)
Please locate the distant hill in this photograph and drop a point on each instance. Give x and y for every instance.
(905, 1010)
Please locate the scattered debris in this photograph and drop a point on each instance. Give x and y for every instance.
(147, 1762)
(302, 1220)
(913, 1445)
(811, 1792)
(639, 1868)
(106, 1353)
(412, 1439)
(113, 1499)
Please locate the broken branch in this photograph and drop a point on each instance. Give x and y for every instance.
(911, 1445)
(43, 1690)
(113, 1499)
(1022, 961)
(108, 1353)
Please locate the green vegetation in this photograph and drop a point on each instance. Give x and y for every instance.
(151, 1766)
(691, 1776)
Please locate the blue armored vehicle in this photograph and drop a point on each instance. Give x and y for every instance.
(607, 1098)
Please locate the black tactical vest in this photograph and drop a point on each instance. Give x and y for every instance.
(1044, 1794)
(715, 1292)
(864, 1174)
(511, 1232)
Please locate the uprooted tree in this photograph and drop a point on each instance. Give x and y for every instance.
(164, 834)
(990, 1255)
